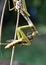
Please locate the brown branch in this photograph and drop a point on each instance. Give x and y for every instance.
(3, 15)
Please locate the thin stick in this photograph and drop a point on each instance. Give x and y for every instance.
(14, 39)
(3, 43)
(3, 14)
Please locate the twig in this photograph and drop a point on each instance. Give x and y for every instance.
(3, 14)
(14, 39)
(4, 43)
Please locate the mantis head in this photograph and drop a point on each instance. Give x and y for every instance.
(35, 33)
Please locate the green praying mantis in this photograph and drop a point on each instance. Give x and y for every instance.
(22, 38)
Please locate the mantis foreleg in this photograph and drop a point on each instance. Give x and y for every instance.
(10, 9)
(28, 20)
(34, 31)
(24, 38)
(18, 33)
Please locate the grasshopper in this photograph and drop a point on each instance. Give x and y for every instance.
(22, 38)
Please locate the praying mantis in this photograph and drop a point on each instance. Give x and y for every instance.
(22, 38)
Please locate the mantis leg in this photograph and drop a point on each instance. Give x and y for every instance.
(34, 32)
(10, 9)
(28, 20)
(25, 26)
(24, 8)
(25, 12)
(18, 33)
(24, 38)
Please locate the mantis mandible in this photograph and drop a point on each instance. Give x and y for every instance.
(20, 34)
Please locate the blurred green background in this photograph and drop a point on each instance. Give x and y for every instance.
(36, 53)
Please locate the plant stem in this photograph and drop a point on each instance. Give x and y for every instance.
(14, 38)
(3, 15)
